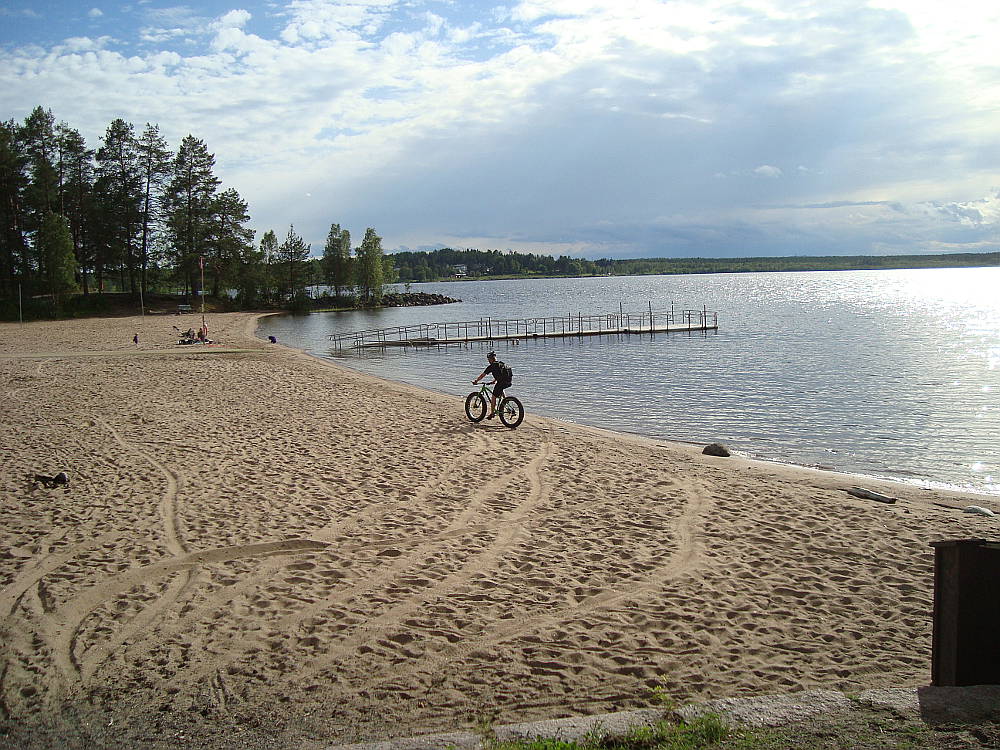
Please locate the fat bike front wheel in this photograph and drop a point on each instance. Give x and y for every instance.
(511, 412)
(475, 407)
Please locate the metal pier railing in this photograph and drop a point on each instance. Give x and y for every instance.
(500, 329)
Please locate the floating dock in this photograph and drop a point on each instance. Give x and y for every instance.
(497, 329)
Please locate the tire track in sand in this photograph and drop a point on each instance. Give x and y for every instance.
(399, 566)
(332, 534)
(510, 531)
(64, 640)
(384, 575)
(376, 512)
(168, 500)
(64, 622)
(683, 561)
(508, 528)
(15, 393)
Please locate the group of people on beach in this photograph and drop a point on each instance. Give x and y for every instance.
(190, 336)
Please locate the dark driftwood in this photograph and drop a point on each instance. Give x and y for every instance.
(870, 495)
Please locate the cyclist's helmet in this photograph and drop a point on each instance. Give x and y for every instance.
(491, 355)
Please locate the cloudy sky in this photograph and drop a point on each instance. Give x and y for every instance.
(596, 128)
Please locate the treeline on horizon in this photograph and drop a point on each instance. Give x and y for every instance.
(432, 265)
(136, 217)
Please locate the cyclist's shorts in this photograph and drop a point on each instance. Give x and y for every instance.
(499, 388)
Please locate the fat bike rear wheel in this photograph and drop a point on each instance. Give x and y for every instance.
(511, 412)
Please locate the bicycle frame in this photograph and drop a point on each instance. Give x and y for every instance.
(509, 408)
(486, 390)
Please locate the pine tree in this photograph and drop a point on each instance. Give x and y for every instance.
(76, 195)
(292, 255)
(269, 255)
(230, 239)
(55, 250)
(155, 168)
(190, 201)
(37, 137)
(14, 252)
(331, 252)
(345, 264)
(119, 187)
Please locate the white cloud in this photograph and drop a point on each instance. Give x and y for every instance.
(522, 126)
(311, 20)
(766, 170)
(19, 13)
(95, 13)
(234, 19)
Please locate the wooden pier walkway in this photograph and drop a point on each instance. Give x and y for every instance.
(495, 329)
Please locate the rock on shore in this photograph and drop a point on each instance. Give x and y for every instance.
(416, 299)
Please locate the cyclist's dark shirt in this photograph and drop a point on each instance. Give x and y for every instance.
(495, 371)
(497, 374)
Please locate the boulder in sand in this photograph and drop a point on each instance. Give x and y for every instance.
(716, 449)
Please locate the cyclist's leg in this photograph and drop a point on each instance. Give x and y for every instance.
(496, 396)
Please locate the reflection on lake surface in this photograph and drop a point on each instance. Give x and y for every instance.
(888, 373)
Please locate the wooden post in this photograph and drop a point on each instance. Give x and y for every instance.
(966, 613)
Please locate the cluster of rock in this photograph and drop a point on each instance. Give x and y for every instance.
(415, 299)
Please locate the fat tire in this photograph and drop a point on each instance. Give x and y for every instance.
(475, 407)
(516, 414)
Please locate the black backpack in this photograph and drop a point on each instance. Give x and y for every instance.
(506, 374)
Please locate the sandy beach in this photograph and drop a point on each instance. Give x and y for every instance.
(261, 549)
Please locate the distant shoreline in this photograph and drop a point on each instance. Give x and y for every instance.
(445, 262)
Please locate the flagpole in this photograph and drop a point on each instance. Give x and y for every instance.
(201, 262)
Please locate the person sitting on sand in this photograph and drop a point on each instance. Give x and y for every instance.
(497, 371)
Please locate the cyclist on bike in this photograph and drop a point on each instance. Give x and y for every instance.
(496, 371)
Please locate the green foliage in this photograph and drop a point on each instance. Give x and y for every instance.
(390, 274)
(155, 169)
(370, 267)
(443, 264)
(190, 200)
(55, 248)
(230, 244)
(661, 697)
(704, 732)
(337, 259)
(291, 257)
(268, 274)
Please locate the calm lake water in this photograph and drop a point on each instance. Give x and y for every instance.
(885, 373)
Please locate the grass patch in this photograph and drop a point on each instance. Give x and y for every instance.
(859, 729)
(703, 732)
